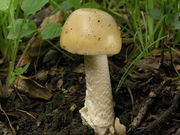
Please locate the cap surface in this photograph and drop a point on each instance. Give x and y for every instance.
(90, 32)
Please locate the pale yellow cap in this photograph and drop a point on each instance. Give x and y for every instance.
(90, 32)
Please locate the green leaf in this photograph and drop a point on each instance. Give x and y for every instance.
(91, 5)
(65, 6)
(22, 70)
(4, 5)
(176, 37)
(155, 13)
(176, 21)
(6, 48)
(18, 72)
(12, 78)
(51, 31)
(75, 3)
(69, 4)
(64, 91)
(32, 6)
(173, 20)
(27, 29)
(58, 1)
(22, 29)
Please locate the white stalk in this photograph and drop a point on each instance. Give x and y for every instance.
(98, 110)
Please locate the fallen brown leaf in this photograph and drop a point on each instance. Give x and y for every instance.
(32, 88)
(58, 17)
(79, 69)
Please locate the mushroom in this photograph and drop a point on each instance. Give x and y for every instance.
(95, 34)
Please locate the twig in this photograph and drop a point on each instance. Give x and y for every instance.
(26, 49)
(26, 113)
(64, 53)
(12, 129)
(144, 109)
(132, 98)
(165, 116)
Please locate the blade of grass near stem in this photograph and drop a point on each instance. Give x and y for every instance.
(134, 63)
(65, 54)
(149, 20)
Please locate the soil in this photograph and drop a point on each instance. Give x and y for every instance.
(59, 115)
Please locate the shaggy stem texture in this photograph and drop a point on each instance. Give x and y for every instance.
(98, 110)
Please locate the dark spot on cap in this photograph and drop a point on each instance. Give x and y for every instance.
(98, 21)
(63, 46)
(109, 25)
(70, 28)
(99, 38)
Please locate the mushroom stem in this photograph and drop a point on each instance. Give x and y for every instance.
(98, 110)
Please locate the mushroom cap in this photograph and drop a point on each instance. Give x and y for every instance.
(90, 31)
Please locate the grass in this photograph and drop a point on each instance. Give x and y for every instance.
(149, 28)
(148, 24)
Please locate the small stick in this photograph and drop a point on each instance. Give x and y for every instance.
(141, 114)
(26, 113)
(12, 129)
(132, 99)
(165, 116)
(26, 49)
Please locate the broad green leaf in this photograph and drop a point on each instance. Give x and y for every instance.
(75, 3)
(58, 1)
(18, 72)
(177, 21)
(22, 29)
(68, 4)
(32, 6)
(91, 5)
(51, 31)
(65, 6)
(27, 29)
(22, 70)
(173, 20)
(4, 5)
(155, 13)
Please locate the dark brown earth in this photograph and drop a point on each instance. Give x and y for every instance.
(147, 86)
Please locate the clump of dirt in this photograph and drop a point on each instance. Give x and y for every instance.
(60, 118)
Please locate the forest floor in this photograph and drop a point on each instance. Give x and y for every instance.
(46, 99)
(47, 102)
